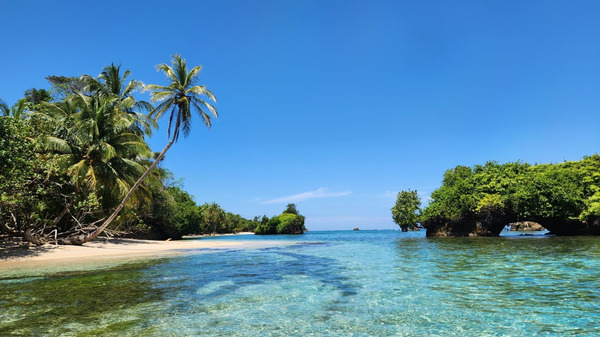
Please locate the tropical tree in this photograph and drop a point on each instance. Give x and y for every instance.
(110, 83)
(16, 111)
(291, 208)
(213, 218)
(406, 210)
(95, 145)
(37, 96)
(180, 98)
(17, 160)
(63, 86)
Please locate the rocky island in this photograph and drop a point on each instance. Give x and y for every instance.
(481, 200)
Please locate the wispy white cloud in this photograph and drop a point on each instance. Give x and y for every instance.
(425, 196)
(388, 195)
(319, 193)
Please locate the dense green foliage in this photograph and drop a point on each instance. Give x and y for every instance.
(174, 213)
(73, 157)
(562, 197)
(28, 199)
(288, 222)
(405, 212)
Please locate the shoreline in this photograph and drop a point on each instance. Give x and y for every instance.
(18, 258)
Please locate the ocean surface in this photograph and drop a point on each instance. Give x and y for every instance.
(338, 283)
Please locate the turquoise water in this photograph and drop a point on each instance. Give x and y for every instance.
(365, 283)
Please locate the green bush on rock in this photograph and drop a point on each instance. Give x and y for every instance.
(288, 222)
(480, 201)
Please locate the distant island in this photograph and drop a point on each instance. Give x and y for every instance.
(481, 200)
(288, 222)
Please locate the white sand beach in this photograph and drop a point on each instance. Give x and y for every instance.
(113, 250)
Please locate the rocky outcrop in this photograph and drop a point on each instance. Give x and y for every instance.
(492, 225)
(526, 226)
(571, 227)
(487, 224)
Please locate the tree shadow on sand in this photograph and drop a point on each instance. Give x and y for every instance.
(14, 248)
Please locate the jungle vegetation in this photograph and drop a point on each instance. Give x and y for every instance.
(75, 163)
(481, 200)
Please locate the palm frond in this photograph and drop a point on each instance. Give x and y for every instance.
(107, 151)
(159, 96)
(201, 90)
(4, 109)
(131, 87)
(78, 172)
(192, 76)
(205, 117)
(142, 106)
(55, 144)
(168, 71)
(160, 109)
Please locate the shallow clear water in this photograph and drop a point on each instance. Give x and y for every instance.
(365, 283)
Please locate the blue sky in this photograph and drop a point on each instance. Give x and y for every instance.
(336, 105)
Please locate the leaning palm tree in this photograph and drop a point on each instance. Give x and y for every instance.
(179, 99)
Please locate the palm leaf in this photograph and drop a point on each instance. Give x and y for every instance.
(55, 144)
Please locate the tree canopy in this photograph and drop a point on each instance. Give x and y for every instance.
(288, 222)
(562, 197)
(406, 210)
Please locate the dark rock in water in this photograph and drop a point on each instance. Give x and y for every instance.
(488, 224)
(526, 226)
(571, 227)
(356, 229)
(492, 224)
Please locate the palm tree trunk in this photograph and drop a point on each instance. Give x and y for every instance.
(81, 239)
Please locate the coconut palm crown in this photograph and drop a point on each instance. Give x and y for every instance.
(181, 97)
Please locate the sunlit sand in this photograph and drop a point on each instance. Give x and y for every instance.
(114, 250)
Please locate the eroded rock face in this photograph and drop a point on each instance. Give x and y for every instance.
(471, 228)
(490, 224)
(526, 226)
(571, 227)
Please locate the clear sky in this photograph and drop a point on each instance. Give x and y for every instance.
(336, 105)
